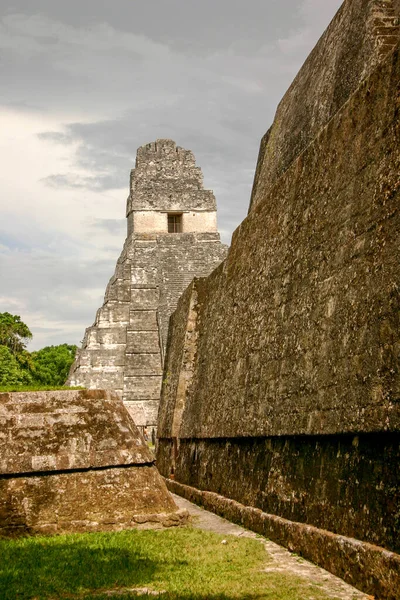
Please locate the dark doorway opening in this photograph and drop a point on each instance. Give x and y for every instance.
(175, 223)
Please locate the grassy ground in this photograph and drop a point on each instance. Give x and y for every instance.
(35, 388)
(184, 564)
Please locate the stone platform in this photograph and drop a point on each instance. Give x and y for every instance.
(73, 461)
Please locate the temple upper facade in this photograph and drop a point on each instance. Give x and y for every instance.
(172, 237)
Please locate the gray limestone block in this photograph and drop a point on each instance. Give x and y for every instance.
(84, 358)
(91, 338)
(144, 242)
(143, 364)
(142, 342)
(102, 378)
(119, 272)
(149, 237)
(85, 369)
(142, 387)
(144, 276)
(119, 290)
(144, 413)
(137, 412)
(111, 335)
(144, 299)
(211, 237)
(145, 250)
(178, 239)
(114, 357)
(188, 200)
(114, 313)
(146, 257)
(126, 272)
(143, 320)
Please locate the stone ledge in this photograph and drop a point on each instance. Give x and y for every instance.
(369, 568)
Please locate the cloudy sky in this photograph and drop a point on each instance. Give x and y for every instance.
(83, 84)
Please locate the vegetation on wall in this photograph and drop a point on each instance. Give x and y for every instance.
(20, 368)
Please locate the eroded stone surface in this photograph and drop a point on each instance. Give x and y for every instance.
(64, 430)
(75, 461)
(282, 379)
(298, 330)
(345, 484)
(124, 348)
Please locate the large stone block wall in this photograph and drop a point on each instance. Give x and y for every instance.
(361, 33)
(281, 380)
(124, 349)
(303, 316)
(346, 484)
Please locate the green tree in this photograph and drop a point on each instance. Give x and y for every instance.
(50, 365)
(14, 334)
(12, 372)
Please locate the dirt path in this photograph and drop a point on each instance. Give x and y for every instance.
(282, 560)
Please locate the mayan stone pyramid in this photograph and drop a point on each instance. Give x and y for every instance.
(172, 237)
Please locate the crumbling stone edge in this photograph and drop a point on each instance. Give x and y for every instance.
(370, 568)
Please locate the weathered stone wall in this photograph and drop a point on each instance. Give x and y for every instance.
(289, 350)
(303, 316)
(361, 33)
(346, 484)
(75, 461)
(124, 348)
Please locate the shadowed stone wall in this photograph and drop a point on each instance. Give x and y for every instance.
(124, 348)
(281, 382)
(75, 461)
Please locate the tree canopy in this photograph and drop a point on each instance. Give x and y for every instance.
(11, 372)
(14, 334)
(48, 366)
(52, 363)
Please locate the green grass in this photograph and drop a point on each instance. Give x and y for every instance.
(36, 388)
(185, 564)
